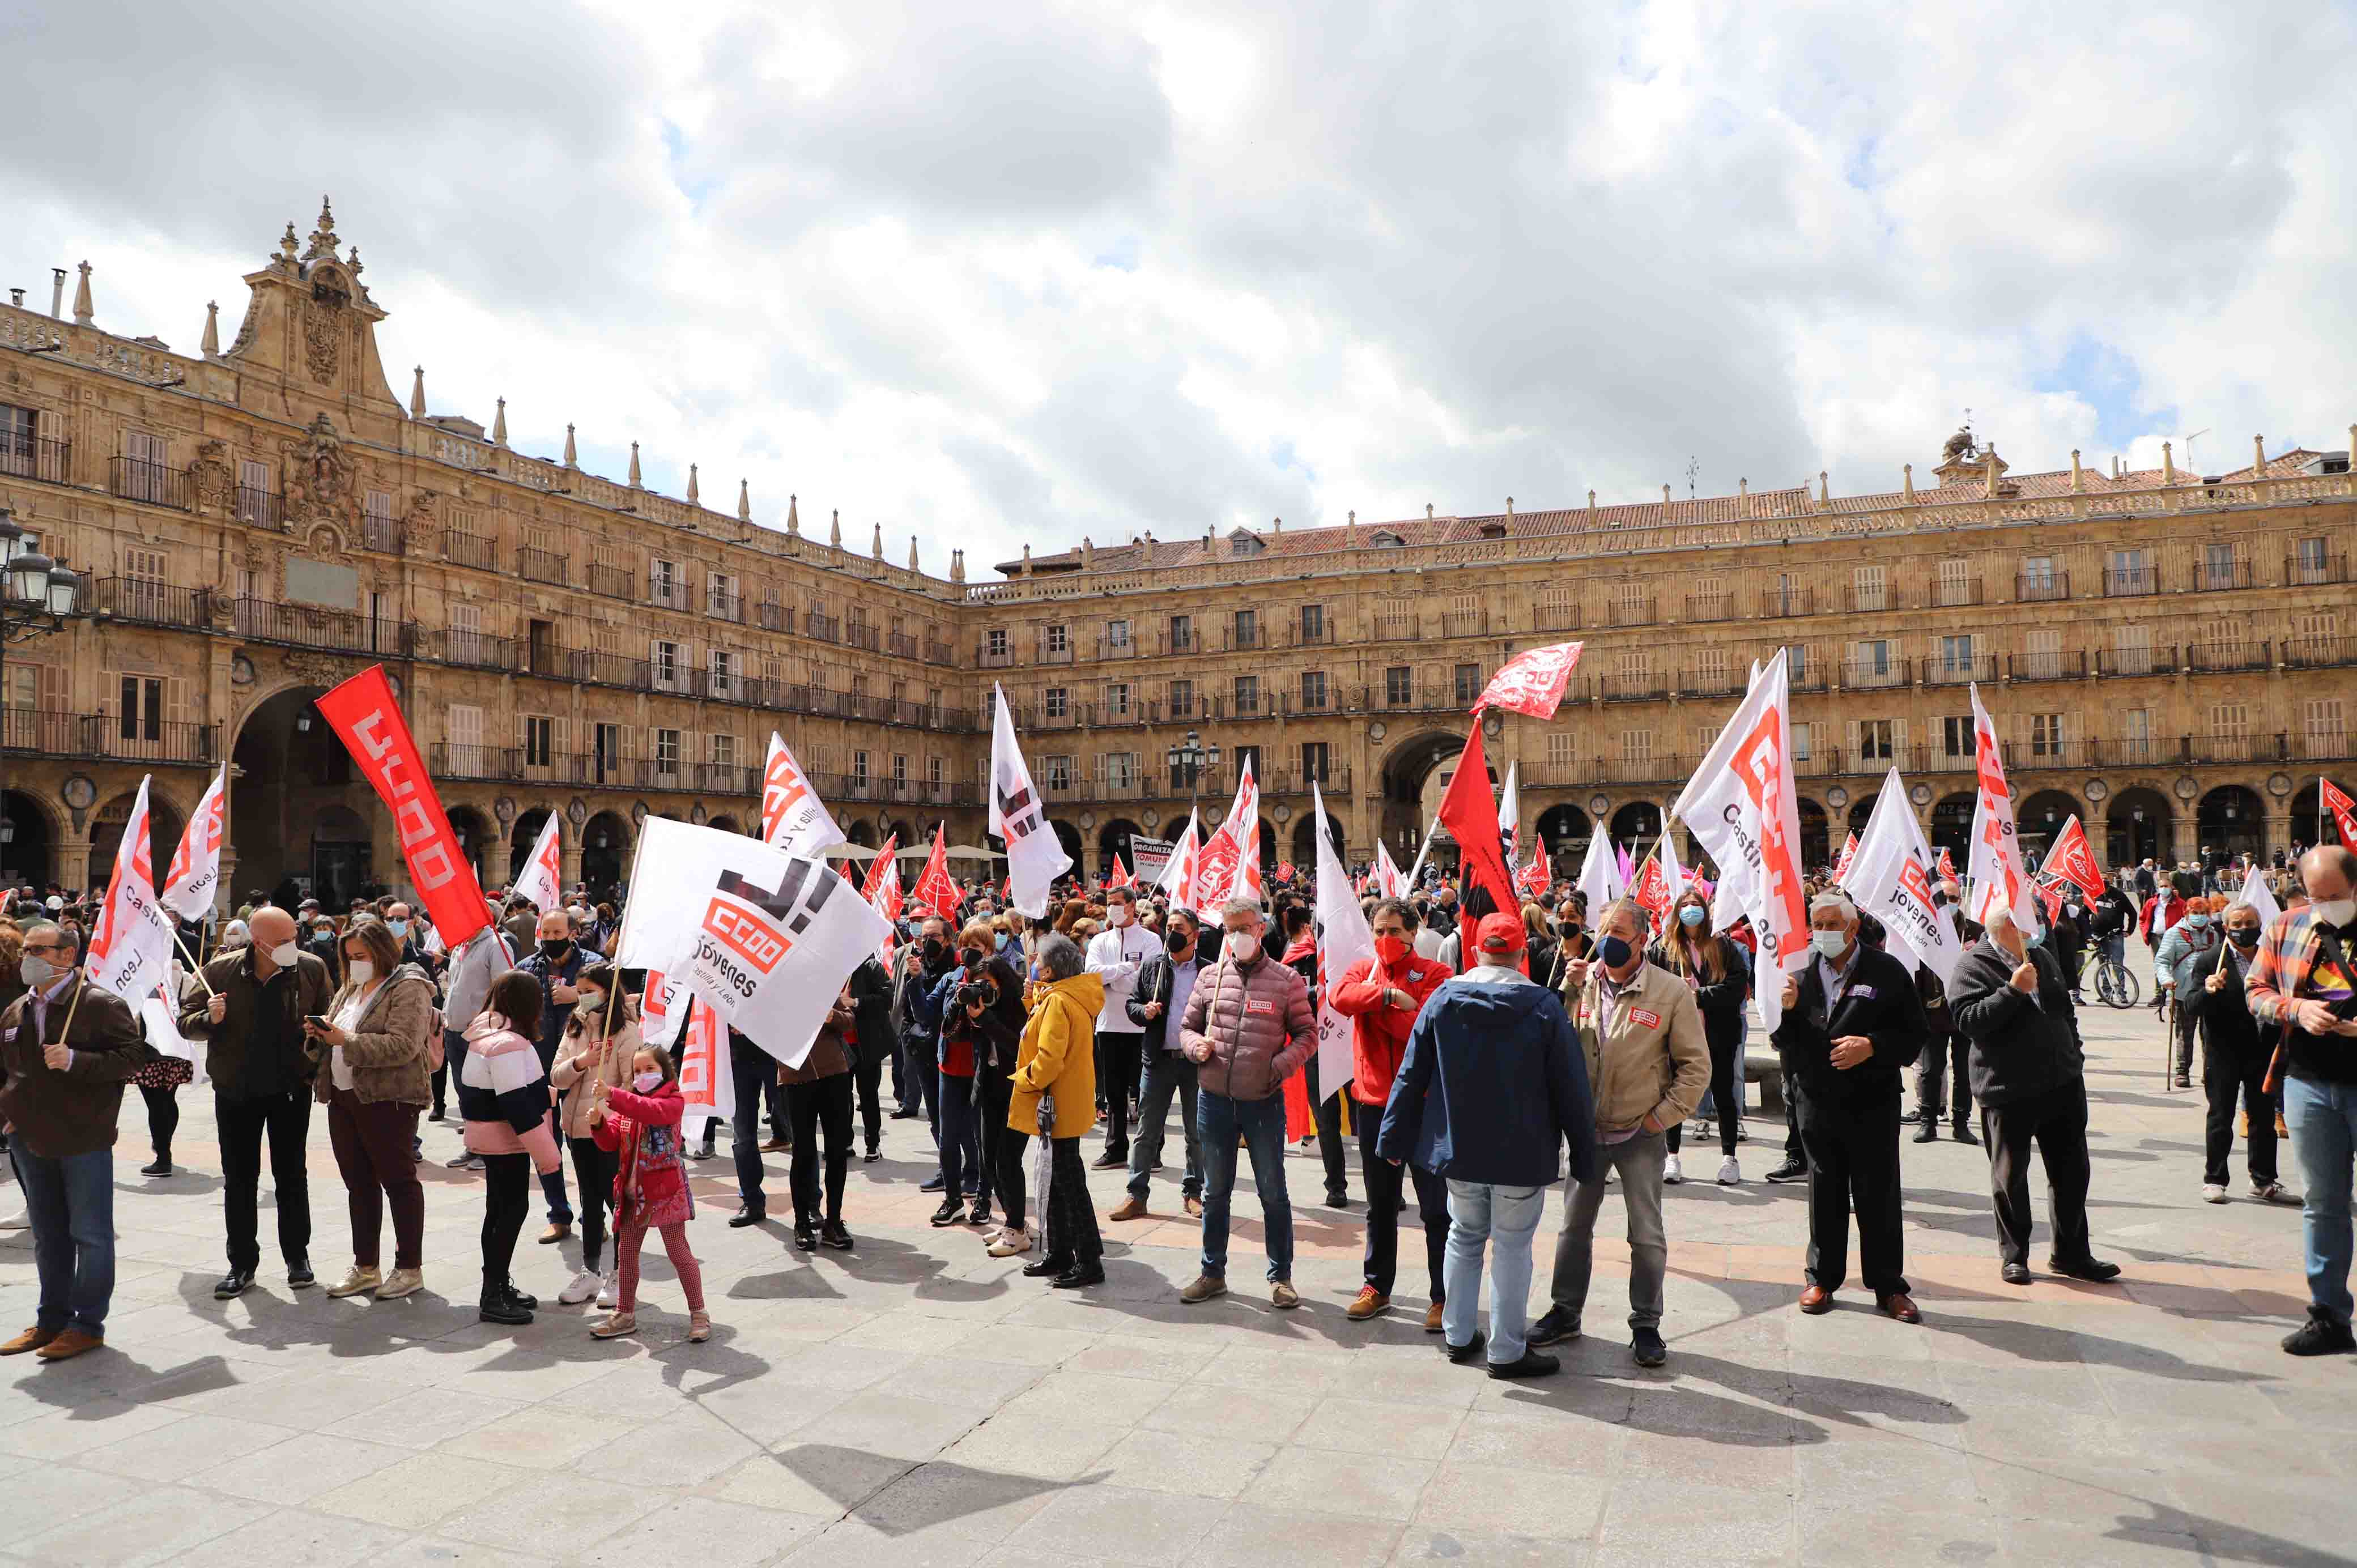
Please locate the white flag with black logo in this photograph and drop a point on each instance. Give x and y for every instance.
(1891, 878)
(1034, 858)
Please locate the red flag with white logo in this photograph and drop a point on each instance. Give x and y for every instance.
(192, 883)
(2344, 809)
(2072, 859)
(1848, 852)
(875, 878)
(1531, 682)
(934, 891)
(367, 719)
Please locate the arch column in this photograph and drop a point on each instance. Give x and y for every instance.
(568, 839)
(2183, 832)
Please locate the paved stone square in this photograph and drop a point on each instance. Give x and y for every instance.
(913, 1402)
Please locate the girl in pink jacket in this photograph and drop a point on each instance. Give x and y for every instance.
(641, 1125)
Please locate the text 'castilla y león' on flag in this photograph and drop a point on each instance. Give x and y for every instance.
(763, 937)
(1742, 809)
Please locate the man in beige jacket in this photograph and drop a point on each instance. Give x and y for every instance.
(1647, 1064)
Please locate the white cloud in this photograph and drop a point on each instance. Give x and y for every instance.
(1030, 274)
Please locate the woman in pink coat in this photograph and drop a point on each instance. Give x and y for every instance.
(641, 1125)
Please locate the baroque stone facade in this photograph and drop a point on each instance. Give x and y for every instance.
(2162, 651)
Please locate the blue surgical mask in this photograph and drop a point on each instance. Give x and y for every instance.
(1692, 914)
(398, 928)
(2197, 921)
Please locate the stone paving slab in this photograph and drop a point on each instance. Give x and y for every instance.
(913, 1402)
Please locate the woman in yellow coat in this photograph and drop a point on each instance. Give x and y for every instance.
(1056, 1065)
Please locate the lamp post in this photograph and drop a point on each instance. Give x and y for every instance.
(36, 595)
(1194, 757)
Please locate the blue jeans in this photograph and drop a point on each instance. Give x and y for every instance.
(1478, 1214)
(71, 1202)
(961, 1140)
(2323, 1121)
(1219, 1120)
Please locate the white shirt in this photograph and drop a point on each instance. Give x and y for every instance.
(347, 1018)
(1116, 955)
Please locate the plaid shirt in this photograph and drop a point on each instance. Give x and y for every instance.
(2287, 958)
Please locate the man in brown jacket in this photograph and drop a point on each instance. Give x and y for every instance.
(1248, 1027)
(261, 1072)
(1647, 1064)
(67, 1047)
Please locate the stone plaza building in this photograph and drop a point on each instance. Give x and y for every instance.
(2161, 649)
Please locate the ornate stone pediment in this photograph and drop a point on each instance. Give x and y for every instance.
(322, 481)
(214, 481)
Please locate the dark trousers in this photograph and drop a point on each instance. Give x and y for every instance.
(507, 1198)
(993, 1093)
(781, 1127)
(2057, 1120)
(747, 1066)
(904, 1093)
(820, 1106)
(594, 1168)
(1117, 1067)
(1327, 1111)
(1944, 1085)
(925, 1072)
(2224, 1080)
(163, 1119)
(961, 1134)
(868, 1077)
(454, 1058)
(286, 1121)
(1725, 1091)
(374, 1152)
(2186, 1026)
(1072, 1218)
(1013, 1189)
(1385, 1186)
(1795, 1151)
(1853, 1149)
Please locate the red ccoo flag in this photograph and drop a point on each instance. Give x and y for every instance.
(1848, 853)
(1531, 682)
(367, 719)
(875, 869)
(1471, 818)
(2344, 809)
(1120, 876)
(934, 890)
(2073, 860)
(1946, 868)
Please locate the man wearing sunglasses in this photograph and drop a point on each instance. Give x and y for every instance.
(66, 1050)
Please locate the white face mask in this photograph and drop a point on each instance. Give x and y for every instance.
(1829, 944)
(2335, 911)
(1119, 914)
(284, 954)
(362, 970)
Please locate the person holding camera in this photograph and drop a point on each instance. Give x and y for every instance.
(249, 1006)
(980, 1029)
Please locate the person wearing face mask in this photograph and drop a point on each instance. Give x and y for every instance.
(2029, 1073)
(1647, 1065)
(249, 1006)
(1383, 995)
(1114, 956)
(593, 1059)
(2303, 982)
(370, 1060)
(2235, 1064)
(556, 963)
(1851, 1021)
(1157, 1004)
(2187, 952)
(1713, 968)
(918, 969)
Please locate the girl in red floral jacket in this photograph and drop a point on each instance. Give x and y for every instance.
(641, 1125)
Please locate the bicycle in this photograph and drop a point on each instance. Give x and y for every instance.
(2116, 982)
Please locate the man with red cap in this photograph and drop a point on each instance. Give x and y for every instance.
(1493, 1085)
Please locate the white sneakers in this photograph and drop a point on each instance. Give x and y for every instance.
(2272, 1192)
(1731, 1172)
(609, 1291)
(19, 1220)
(1673, 1171)
(2212, 1192)
(585, 1286)
(1010, 1242)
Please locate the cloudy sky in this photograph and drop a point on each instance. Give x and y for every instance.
(989, 275)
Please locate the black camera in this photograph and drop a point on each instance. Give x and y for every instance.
(984, 991)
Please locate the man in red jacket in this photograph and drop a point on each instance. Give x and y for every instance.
(1381, 996)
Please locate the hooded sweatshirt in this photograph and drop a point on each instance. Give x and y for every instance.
(1492, 1086)
(503, 1094)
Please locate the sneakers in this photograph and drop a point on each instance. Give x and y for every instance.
(1194, 1207)
(1645, 1345)
(699, 1327)
(609, 1291)
(1010, 1244)
(1205, 1287)
(299, 1274)
(467, 1161)
(19, 1220)
(1674, 1171)
(582, 1286)
(1553, 1324)
(1367, 1303)
(949, 1213)
(2272, 1192)
(1534, 1364)
(555, 1233)
(1284, 1296)
(1791, 1170)
(1731, 1172)
(1130, 1207)
(806, 1235)
(400, 1282)
(2213, 1192)
(1111, 1160)
(615, 1326)
(2320, 1336)
(358, 1280)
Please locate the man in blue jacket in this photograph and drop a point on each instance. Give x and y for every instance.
(1493, 1084)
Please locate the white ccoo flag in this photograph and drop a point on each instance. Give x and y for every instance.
(1229, 865)
(1388, 883)
(794, 817)
(130, 951)
(1034, 858)
(1186, 863)
(542, 880)
(1343, 939)
(1890, 879)
(1742, 807)
(764, 938)
(1600, 875)
(2254, 893)
(1509, 815)
(1993, 865)
(194, 880)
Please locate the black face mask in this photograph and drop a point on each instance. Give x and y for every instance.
(1614, 951)
(2243, 936)
(553, 948)
(970, 957)
(933, 948)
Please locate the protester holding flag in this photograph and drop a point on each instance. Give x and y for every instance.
(60, 1096)
(2234, 1058)
(503, 1093)
(249, 1006)
(2187, 954)
(1714, 970)
(1382, 996)
(600, 1040)
(640, 1124)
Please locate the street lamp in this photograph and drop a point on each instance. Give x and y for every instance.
(36, 595)
(1193, 757)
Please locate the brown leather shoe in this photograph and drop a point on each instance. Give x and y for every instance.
(31, 1340)
(1901, 1305)
(553, 1234)
(1194, 1209)
(1816, 1299)
(1128, 1209)
(67, 1345)
(1432, 1318)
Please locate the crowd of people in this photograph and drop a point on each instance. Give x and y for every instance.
(1494, 1052)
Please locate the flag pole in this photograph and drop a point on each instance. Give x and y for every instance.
(193, 963)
